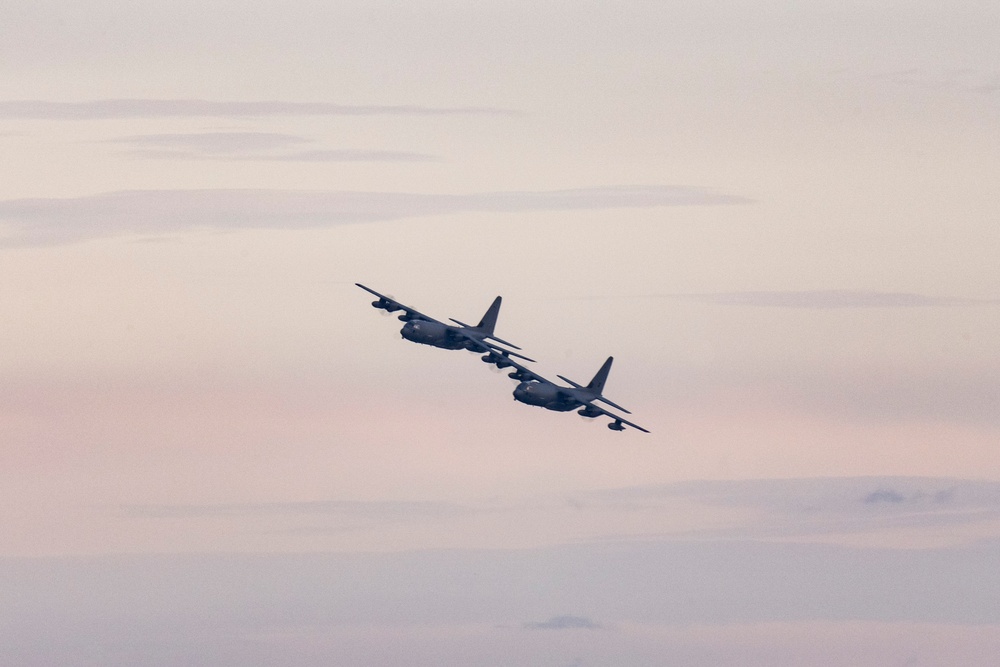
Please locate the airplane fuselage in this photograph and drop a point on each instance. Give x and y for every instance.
(434, 334)
(549, 396)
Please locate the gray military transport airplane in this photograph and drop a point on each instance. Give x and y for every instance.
(536, 390)
(425, 330)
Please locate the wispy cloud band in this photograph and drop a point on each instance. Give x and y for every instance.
(371, 510)
(212, 142)
(251, 146)
(331, 155)
(47, 221)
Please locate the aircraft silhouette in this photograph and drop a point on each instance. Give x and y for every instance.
(423, 329)
(536, 390)
(533, 388)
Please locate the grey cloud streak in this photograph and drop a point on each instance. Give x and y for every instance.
(343, 155)
(347, 155)
(213, 142)
(246, 146)
(33, 222)
(382, 510)
(563, 623)
(158, 108)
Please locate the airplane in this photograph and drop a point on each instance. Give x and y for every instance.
(420, 328)
(536, 390)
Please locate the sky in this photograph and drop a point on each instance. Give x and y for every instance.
(779, 217)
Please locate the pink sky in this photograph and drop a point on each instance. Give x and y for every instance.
(780, 218)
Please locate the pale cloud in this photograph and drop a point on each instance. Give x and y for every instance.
(868, 396)
(160, 108)
(48, 221)
(955, 79)
(864, 392)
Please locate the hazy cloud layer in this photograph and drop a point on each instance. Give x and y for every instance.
(819, 506)
(153, 108)
(194, 605)
(823, 494)
(815, 509)
(52, 221)
(176, 609)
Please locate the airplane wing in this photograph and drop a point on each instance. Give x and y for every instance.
(388, 304)
(591, 410)
(522, 373)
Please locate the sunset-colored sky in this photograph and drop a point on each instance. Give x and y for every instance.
(780, 217)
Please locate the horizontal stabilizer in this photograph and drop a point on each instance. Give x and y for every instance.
(570, 382)
(490, 336)
(614, 405)
(503, 342)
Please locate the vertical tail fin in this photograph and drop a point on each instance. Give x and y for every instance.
(489, 320)
(597, 384)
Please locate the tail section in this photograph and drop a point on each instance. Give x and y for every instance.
(488, 324)
(489, 321)
(597, 384)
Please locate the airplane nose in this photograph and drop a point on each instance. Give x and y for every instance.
(521, 391)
